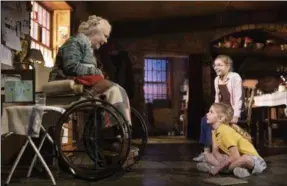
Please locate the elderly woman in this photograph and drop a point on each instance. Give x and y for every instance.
(75, 57)
(228, 90)
(75, 60)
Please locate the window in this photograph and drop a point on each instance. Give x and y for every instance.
(41, 31)
(155, 79)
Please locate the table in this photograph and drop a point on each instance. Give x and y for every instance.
(27, 121)
(270, 102)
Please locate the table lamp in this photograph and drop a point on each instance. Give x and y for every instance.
(34, 57)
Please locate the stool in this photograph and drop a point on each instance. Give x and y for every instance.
(12, 125)
(37, 151)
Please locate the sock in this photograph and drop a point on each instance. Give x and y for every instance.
(206, 149)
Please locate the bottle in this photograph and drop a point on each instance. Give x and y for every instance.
(283, 80)
(282, 85)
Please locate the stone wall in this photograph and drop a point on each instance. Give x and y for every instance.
(137, 59)
(191, 42)
(197, 42)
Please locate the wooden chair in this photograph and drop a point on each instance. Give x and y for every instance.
(249, 88)
(275, 119)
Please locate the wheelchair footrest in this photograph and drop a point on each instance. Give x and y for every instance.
(132, 157)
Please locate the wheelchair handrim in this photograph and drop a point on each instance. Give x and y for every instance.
(79, 171)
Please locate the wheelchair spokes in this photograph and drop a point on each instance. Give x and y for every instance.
(93, 139)
(92, 143)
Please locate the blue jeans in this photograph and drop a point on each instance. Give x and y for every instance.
(205, 132)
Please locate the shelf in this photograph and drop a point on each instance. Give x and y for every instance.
(247, 52)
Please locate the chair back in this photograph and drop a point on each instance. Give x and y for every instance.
(249, 87)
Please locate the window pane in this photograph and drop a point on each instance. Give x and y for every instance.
(158, 76)
(35, 31)
(44, 36)
(163, 76)
(155, 86)
(155, 91)
(40, 15)
(151, 76)
(158, 65)
(155, 78)
(48, 20)
(153, 65)
(44, 18)
(154, 75)
(32, 29)
(48, 38)
(148, 64)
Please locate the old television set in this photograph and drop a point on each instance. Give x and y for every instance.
(18, 86)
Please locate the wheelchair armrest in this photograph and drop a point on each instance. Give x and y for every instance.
(62, 87)
(62, 100)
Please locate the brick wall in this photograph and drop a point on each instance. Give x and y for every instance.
(197, 42)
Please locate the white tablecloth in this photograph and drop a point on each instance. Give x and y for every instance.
(269, 100)
(25, 120)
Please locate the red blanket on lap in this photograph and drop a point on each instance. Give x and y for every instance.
(89, 80)
(116, 96)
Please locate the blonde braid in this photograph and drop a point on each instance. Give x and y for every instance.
(242, 132)
(226, 112)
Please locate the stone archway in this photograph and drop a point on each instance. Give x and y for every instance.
(257, 66)
(274, 27)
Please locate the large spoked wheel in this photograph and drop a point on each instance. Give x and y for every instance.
(92, 139)
(139, 132)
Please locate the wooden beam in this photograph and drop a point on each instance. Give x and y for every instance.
(186, 24)
(51, 5)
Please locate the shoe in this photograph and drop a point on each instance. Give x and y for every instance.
(241, 172)
(199, 158)
(203, 167)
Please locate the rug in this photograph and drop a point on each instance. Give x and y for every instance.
(224, 181)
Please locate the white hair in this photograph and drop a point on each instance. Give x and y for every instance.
(92, 25)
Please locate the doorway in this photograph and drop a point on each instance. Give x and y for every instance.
(163, 83)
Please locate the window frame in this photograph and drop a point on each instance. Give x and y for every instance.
(47, 51)
(41, 25)
(150, 99)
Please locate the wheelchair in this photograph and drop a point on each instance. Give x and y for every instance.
(93, 140)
